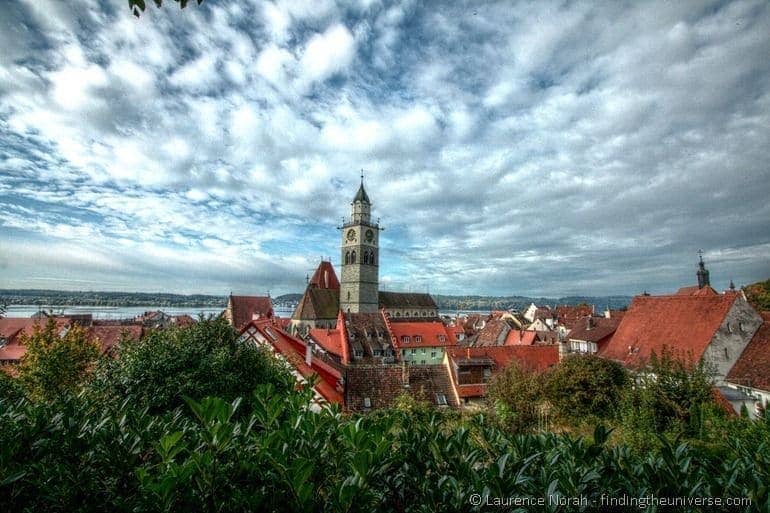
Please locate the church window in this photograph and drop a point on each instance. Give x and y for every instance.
(366, 257)
(348, 299)
(372, 259)
(353, 257)
(347, 257)
(398, 314)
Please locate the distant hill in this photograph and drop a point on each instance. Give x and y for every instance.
(75, 298)
(522, 302)
(758, 294)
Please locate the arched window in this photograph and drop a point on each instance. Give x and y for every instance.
(347, 257)
(366, 257)
(372, 259)
(353, 257)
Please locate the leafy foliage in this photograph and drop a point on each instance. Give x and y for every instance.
(758, 294)
(203, 359)
(517, 394)
(56, 362)
(586, 387)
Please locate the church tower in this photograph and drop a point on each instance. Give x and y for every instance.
(703, 273)
(360, 257)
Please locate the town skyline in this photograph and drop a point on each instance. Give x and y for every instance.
(533, 150)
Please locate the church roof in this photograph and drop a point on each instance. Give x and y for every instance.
(325, 277)
(406, 300)
(361, 195)
(318, 303)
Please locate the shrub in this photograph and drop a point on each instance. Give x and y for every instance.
(583, 387)
(517, 395)
(56, 362)
(203, 359)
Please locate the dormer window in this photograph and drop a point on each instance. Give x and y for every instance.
(405, 339)
(442, 338)
(417, 338)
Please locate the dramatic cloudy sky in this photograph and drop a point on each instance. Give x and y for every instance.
(510, 148)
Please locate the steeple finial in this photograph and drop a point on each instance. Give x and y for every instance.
(362, 176)
(702, 274)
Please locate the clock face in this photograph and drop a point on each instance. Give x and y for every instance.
(369, 235)
(351, 235)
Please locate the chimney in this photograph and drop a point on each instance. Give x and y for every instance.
(404, 374)
(309, 353)
(589, 322)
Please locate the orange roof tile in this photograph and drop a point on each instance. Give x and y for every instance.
(683, 323)
(245, 307)
(324, 277)
(429, 333)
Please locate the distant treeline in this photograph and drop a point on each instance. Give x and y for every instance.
(75, 298)
(522, 302)
(90, 298)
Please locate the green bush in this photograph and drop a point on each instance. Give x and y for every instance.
(203, 359)
(586, 387)
(517, 395)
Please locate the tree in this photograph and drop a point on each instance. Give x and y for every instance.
(585, 386)
(138, 6)
(57, 360)
(758, 294)
(200, 360)
(516, 394)
(673, 395)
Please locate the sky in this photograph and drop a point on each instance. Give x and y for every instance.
(509, 148)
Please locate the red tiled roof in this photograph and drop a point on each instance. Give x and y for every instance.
(753, 366)
(429, 333)
(184, 320)
(108, 336)
(245, 307)
(293, 349)
(520, 338)
(569, 315)
(537, 358)
(683, 323)
(325, 277)
(12, 329)
(599, 329)
(697, 291)
(329, 339)
(493, 333)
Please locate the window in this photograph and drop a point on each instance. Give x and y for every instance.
(729, 328)
(403, 352)
(442, 338)
(348, 298)
(377, 352)
(422, 362)
(424, 313)
(423, 350)
(433, 354)
(353, 257)
(366, 257)
(398, 314)
(417, 338)
(347, 257)
(358, 353)
(487, 372)
(414, 351)
(441, 400)
(740, 327)
(405, 339)
(367, 402)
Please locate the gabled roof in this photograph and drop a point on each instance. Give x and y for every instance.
(568, 316)
(108, 336)
(537, 358)
(493, 333)
(330, 340)
(406, 300)
(697, 291)
(753, 366)
(293, 350)
(685, 324)
(594, 329)
(324, 277)
(520, 338)
(318, 303)
(245, 307)
(429, 333)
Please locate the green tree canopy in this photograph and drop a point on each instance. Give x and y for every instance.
(57, 360)
(584, 386)
(197, 361)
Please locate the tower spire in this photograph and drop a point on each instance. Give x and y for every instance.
(703, 273)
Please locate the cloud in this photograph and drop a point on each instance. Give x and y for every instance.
(527, 148)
